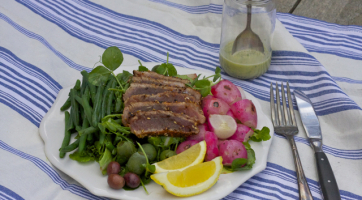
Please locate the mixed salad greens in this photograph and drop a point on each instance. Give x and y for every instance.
(96, 107)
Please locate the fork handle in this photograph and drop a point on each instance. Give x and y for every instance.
(304, 192)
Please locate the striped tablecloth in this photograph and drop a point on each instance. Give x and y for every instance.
(44, 45)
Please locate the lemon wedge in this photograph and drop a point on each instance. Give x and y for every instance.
(191, 181)
(190, 157)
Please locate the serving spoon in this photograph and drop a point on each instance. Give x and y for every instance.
(248, 40)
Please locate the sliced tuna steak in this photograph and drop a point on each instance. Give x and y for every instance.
(143, 88)
(161, 97)
(160, 82)
(166, 123)
(192, 110)
(158, 76)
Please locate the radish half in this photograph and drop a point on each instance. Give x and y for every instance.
(224, 126)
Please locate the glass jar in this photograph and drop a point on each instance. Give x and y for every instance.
(248, 63)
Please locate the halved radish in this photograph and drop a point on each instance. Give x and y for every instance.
(223, 126)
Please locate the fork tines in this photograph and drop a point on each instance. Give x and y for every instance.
(283, 116)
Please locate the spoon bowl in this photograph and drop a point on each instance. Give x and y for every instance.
(248, 40)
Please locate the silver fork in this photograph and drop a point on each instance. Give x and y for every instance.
(284, 124)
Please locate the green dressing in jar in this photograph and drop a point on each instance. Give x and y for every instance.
(247, 64)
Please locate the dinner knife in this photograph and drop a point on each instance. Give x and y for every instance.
(311, 126)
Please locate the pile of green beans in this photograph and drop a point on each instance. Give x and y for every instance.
(89, 104)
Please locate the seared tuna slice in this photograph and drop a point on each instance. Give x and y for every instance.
(143, 88)
(159, 122)
(161, 97)
(160, 82)
(158, 76)
(192, 110)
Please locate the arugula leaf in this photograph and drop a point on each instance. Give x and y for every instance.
(204, 86)
(98, 75)
(142, 68)
(105, 159)
(80, 157)
(112, 58)
(261, 135)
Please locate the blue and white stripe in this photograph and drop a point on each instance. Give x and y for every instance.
(26, 88)
(7, 194)
(202, 9)
(340, 153)
(75, 189)
(149, 41)
(315, 35)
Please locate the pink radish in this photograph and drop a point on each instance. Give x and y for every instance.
(212, 147)
(201, 135)
(213, 105)
(226, 91)
(231, 114)
(230, 150)
(242, 133)
(185, 145)
(223, 126)
(245, 111)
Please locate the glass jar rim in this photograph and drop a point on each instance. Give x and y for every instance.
(251, 2)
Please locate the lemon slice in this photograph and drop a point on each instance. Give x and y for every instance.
(192, 156)
(191, 181)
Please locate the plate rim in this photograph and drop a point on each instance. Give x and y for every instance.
(96, 191)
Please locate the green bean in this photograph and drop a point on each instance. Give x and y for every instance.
(84, 81)
(74, 112)
(118, 107)
(102, 133)
(77, 85)
(66, 105)
(67, 133)
(105, 98)
(83, 138)
(97, 106)
(70, 147)
(87, 108)
(90, 136)
(79, 100)
(110, 99)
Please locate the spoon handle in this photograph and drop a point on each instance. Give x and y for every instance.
(248, 17)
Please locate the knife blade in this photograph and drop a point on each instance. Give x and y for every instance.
(311, 126)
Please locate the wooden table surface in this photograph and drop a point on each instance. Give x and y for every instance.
(344, 12)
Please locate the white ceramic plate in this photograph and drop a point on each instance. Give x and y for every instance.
(89, 175)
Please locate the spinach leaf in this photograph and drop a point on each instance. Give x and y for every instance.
(112, 58)
(98, 75)
(236, 166)
(261, 135)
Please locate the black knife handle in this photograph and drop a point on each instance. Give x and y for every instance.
(327, 181)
